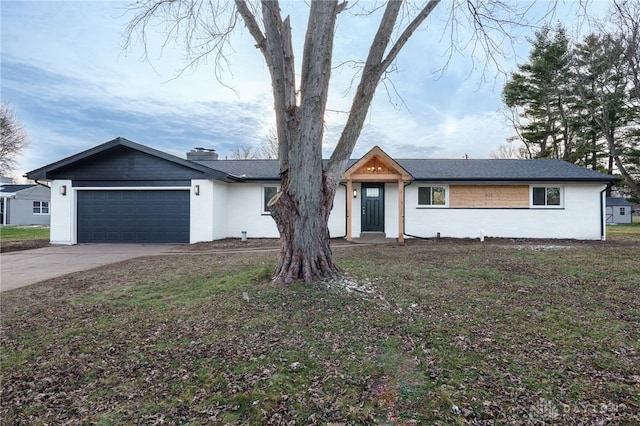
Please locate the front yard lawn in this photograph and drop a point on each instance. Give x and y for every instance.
(22, 233)
(433, 332)
(631, 230)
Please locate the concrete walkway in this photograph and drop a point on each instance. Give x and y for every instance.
(21, 268)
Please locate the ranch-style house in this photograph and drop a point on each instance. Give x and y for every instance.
(124, 192)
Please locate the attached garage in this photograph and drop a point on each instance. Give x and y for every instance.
(133, 216)
(123, 192)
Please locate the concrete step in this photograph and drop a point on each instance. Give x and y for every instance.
(373, 235)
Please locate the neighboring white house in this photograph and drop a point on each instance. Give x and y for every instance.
(24, 204)
(619, 211)
(121, 191)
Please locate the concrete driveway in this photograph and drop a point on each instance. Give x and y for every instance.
(21, 268)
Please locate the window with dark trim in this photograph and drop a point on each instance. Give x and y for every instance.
(268, 191)
(40, 207)
(546, 196)
(622, 211)
(432, 196)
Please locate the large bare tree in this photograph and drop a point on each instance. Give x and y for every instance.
(13, 139)
(301, 210)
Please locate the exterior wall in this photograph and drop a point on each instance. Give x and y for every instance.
(63, 213)
(19, 208)
(580, 217)
(390, 210)
(201, 216)
(614, 214)
(244, 212)
(224, 210)
(208, 213)
(338, 215)
(356, 208)
(220, 210)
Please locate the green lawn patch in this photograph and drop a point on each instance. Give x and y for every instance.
(23, 233)
(426, 333)
(631, 230)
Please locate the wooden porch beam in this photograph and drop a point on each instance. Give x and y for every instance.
(400, 212)
(349, 207)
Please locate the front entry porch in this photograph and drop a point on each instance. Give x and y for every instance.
(373, 174)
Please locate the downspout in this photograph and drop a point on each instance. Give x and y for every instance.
(404, 215)
(603, 236)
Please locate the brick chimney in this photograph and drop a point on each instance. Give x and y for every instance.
(202, 154)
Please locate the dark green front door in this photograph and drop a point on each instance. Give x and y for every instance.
(372, 207)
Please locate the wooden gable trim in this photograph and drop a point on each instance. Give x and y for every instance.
(376, 166)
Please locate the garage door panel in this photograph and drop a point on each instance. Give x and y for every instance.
(133, 216)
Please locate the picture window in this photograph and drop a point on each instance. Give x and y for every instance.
(432, 196)
(546, 196)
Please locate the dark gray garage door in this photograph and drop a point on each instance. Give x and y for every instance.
(133, 216)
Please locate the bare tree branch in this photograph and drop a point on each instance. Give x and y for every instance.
(204, 27)
(13, 139)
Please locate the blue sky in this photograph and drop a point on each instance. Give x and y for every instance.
(65, 73)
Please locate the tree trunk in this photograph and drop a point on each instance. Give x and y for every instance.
(305, 253)
(615, 156)
(301, 210)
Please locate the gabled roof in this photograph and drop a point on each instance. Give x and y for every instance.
(15, 188)
(618, 202)
(373, 162)
(46, 171)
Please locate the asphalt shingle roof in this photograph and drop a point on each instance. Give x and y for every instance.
(15, 188)
(246, 169)
(503, 170)
(617, 201)
(421, 169)
(439, 170)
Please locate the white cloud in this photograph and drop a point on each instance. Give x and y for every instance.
(82, 88)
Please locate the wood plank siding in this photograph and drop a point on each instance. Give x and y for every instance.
(489, 196)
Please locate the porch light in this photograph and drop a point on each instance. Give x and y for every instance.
(355, 193)
(63, 190)
(196, 189)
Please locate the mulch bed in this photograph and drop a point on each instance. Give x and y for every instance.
(8, 246)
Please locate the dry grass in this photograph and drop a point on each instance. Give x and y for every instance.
(446, 332)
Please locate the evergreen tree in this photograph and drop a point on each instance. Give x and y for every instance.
(602, 82)
(539, 92)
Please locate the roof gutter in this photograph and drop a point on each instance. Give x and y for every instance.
(42, 184)
(517, 181)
